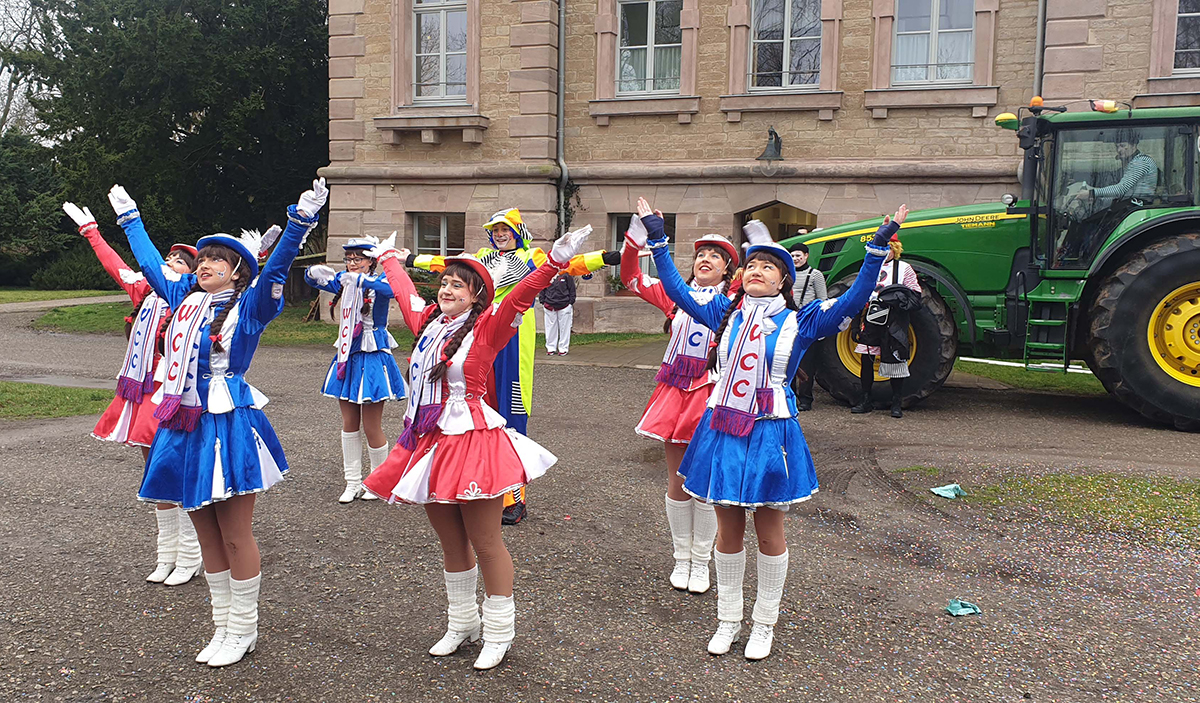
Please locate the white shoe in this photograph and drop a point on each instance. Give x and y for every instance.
(353, 490)
(451, 641)
(492, 654)
(233, 648)
(698, 581)
(367, 495)
(759, 644)
(160, 573)
(214, 646)
(681, 574)
(726, 634)
(182, 574)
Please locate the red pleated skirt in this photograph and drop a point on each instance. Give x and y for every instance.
(128, 422)
(672, 414)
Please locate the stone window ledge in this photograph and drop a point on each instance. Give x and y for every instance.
(431, 121)
(977, 97)
(824, 101)
(683, 107)
(1170, 91)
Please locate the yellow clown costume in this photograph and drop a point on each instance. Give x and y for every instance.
(513, 377)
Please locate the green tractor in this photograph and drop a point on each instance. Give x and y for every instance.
(1098, 260)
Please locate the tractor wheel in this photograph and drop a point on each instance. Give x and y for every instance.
(934, 345)
(1145, 332)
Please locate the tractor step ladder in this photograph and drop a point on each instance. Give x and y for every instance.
(1046, 327)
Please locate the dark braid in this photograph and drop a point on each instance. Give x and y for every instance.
(726, 278)
(475, 282)
(720, 331)
(785, 291)
(368, 296)
(456, 341)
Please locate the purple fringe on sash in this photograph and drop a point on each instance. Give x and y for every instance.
(341, 370)
(682, 371)
(357, 332)
(731, 421)
(147, 383)
(131, 389)
(427, 418)
(172, 415)
(766, 400)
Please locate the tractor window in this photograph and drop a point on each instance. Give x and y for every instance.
(1102, 175)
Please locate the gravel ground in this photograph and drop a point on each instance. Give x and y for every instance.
(352, 594)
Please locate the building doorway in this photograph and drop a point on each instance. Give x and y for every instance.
(781, 219)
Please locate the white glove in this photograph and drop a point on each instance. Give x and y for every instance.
(569, 245)
(321, 274)
(311, 201)
(120, 200)
(82, 218)
(637, 232)
(383, 247)
(269, 237)
(131, 277)
(756, 233)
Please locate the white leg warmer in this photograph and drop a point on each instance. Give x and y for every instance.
(243, 608)
(168, 534)
(463, 605)
(352, 457)
(731, 569)
(772, 573)
(499, 619)
(679, 518)
(377, 455)
(704, 531)
(218, 590)
(188, 555)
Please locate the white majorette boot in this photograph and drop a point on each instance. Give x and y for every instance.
(499, 628)
(704, 532)
(351, 466)
(218, 590)
(377, 455)
(772, 573)
(168, 543)
(731, 568)
(679, 519)
(462, 613)
(241, 629)
(188, 561)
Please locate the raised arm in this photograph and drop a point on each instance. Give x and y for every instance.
(322, 277)
(632, 276)
(708, 311)
(112, 262)
(412, 306)
(148, 258)
(822, 319)
(263, 300)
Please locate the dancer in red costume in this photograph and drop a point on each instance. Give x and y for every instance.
(456, 455)
(129, 418)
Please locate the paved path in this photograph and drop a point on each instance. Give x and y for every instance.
(34, 305)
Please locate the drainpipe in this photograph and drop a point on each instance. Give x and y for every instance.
(560, 122)
(1040, 49)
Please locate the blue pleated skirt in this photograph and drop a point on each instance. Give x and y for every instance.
(770, 467)
(231, 454)
(371, 377)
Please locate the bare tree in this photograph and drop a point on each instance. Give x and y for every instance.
(19, 31)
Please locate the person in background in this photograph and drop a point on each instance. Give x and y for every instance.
(809, 286)
(893, 366)
(557, 301)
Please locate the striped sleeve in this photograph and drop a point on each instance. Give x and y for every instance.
(1140, 177)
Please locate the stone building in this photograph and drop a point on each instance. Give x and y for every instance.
(444, 111)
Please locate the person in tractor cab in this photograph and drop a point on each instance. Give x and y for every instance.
(1139, 174)
(509, 260)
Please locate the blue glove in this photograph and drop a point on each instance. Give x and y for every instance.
(656, 234)
(884, 234)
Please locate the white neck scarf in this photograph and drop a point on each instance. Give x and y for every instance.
(179, 408)
(351, 314)
(425, 395)
(687, 352)
(136, 378)
(742, 391)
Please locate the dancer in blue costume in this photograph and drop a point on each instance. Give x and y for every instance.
(363, 373)
(214, 449)
(748, 453)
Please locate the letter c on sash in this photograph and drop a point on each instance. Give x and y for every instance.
(742, 362)
(738, 384)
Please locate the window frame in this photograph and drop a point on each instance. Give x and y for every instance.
(443, 231)
(649, 47)
(787, 40)
(1176, 71)
(934, 33)
(441, 8)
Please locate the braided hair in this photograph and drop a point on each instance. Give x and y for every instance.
(475, 282)
(788, 298)
(368, 296)
(240, 284)
(726, 278)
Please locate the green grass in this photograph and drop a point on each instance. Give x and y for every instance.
(28, 401)
(288, 330)
(1160, 510)
(29, 295)
(1069, 384)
